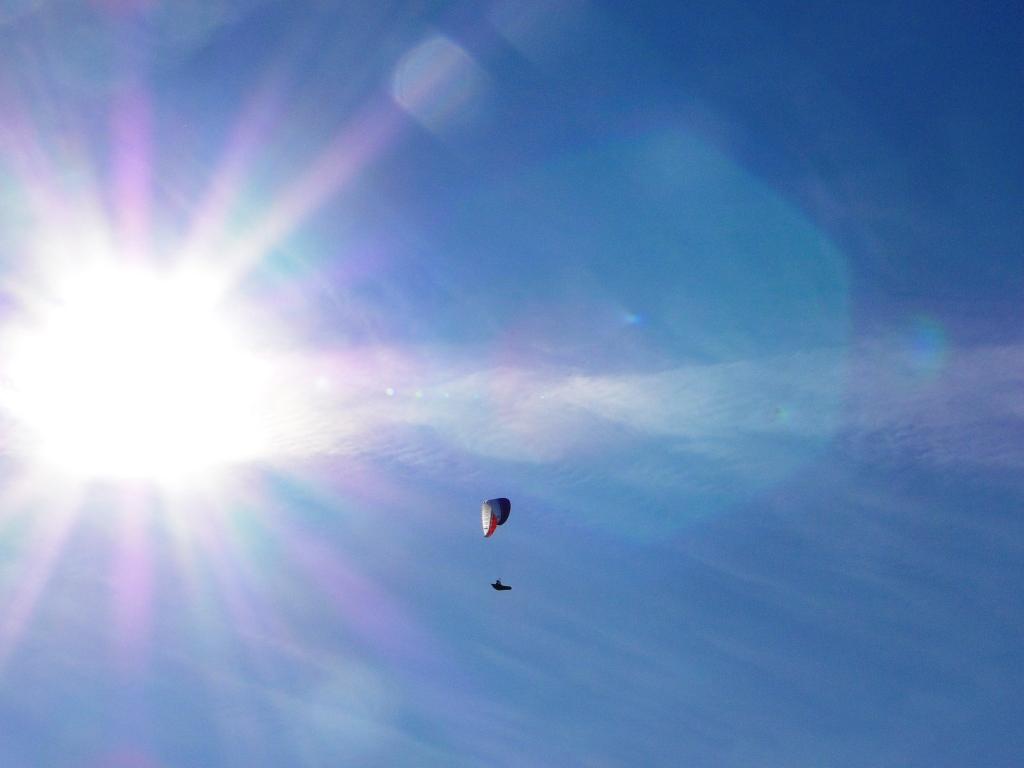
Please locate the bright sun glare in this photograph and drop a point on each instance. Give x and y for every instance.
(133, 373)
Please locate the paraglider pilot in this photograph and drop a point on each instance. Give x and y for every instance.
(499, 586)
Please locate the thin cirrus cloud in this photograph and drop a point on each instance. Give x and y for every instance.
(970, 413)
(871, 398)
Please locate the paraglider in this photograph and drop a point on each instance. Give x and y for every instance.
(495, 512)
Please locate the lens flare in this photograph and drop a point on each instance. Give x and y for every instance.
(925, 346)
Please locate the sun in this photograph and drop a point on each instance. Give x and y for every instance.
(128, 372)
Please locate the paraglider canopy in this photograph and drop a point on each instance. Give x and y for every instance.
(494, 512)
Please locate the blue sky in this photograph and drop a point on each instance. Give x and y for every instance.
(725, 297)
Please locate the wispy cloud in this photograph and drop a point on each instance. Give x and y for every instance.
(970, 413)
(869, 399)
